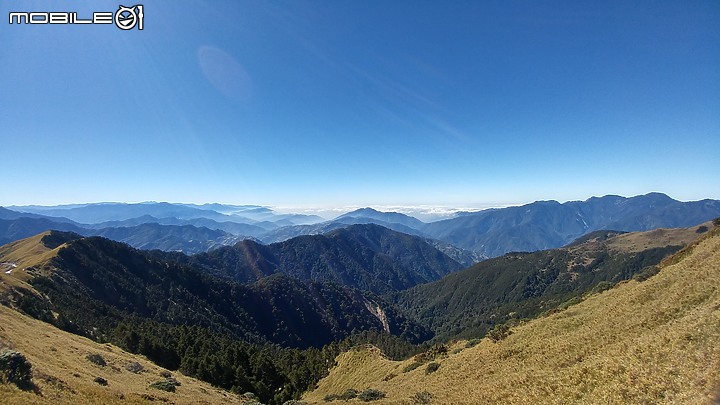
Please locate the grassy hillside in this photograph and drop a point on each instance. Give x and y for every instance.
(64, 375)
(655, 341)
(468, 303)
(20, 262)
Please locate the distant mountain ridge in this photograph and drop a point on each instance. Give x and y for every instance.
(23, 227)
(182, 238)
(388, 217)
(391, 220)
(550, 224)
(105, 212)
(489, 233)
(531, 227)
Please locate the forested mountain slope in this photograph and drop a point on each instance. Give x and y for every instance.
(651, 341)
(522, 285)
(368, 257)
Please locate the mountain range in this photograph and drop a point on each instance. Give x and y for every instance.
(104, 212)
(488, 233)
(368, 257)
(549, 224)
(651, 341)
(268, 318)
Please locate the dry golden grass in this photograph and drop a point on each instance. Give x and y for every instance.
(21, 258)
(652, 342)
(658, 238)
(63, 375)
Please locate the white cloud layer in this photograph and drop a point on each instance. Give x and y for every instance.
(426, 213)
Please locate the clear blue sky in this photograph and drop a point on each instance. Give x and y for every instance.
(323, 103)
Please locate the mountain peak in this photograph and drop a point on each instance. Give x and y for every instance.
(361, 212)
(388, 217)
(656, 197)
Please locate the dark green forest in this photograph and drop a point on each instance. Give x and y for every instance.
(519, 286)
(367, 257)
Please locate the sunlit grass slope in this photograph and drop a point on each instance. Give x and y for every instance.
(64, 375)
(19, 259)
(656, 341)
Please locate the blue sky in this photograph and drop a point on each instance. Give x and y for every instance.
(339, 103)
